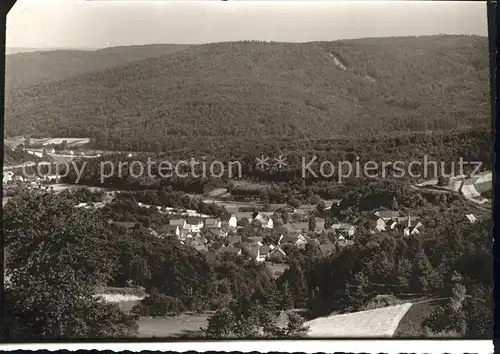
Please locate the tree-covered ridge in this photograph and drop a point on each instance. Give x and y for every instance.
(40, 67)
(258, 90)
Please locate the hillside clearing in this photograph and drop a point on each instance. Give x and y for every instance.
(381, 322)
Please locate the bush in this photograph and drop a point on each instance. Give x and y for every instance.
(381, 301)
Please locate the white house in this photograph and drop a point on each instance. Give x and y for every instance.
(8, 176)
(297, 240)
(411, 229)
(232, 221)
(153, 233)
(195, 224)
(392, 224)
(276, 254)
(471, 217)
(264, 220)
(345, 228)
(381, 225)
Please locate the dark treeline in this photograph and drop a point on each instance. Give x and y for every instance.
(442, 151)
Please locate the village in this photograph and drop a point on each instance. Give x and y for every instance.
(264, 236)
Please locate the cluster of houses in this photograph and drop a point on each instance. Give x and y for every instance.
(388, 220)
(203, 234)
(10, 178)
(471, 217)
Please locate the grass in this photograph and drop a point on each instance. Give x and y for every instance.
(177, 326)
(218, 192)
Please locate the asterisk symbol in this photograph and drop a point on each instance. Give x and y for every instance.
(262, 162)
(280, 161)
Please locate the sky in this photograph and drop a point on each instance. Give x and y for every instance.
(98, 24)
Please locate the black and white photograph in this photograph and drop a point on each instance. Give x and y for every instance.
(215, 170)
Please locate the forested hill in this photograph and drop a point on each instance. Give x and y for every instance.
(260, 90)
(32, 68)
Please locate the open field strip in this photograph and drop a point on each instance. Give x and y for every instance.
(55, 141)
(217, 192)
(171, 326)
(381, 322)
(119, 297)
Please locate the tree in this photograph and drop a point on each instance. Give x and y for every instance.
(64, 145)
(394, 204)
(221, 324)
(159, 305)
(295, 326)
(424, 277)
(286, 299)
(59, 255)
(443, 181)
(451, 317)
(256, 321)
(298, 283)
(312, 223)
(357, 293)
(295, 203)
(478, 309)
(285, 216)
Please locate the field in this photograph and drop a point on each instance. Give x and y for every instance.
(13, 141)
(233, 205)
(249, 185)
(218, 192)
(56, 141)
(381, 322)
(171, 326)
(17, 140)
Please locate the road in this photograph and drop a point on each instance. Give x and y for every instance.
(432, 190)
(439, 191)
(6, 168)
